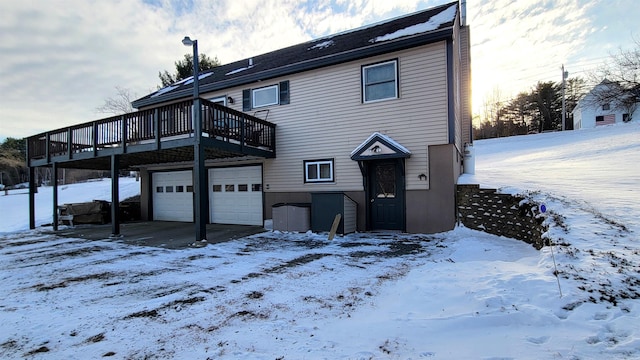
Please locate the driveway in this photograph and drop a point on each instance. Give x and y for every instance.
(74, 297)
(164, 234)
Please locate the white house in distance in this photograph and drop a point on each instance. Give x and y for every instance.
(590, 113)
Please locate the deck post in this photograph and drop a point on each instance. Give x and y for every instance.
(32, 197)
(115, 196)
(54, 180)
(200, 189)
(156, 127)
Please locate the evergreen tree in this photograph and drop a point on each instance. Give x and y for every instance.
(184, 68)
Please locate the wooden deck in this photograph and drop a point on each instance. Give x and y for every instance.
(158, 135)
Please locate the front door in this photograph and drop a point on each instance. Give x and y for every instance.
(386, 195)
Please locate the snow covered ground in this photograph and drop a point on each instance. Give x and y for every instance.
(457, 295)
(15, 205)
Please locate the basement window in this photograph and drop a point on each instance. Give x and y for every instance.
(318, 171)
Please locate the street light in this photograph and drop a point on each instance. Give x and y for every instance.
(196, 67)
(199, 172)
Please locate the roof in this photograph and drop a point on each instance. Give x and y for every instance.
(403, 32)
(379, 146)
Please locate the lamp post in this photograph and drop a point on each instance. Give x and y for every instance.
(196, 67)
(199, 172)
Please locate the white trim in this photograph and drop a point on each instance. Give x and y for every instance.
(318, 178)
(364, 81)
(266, 88)
(383, 137)
(219, 99)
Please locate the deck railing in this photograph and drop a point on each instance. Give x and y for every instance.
(162, 123)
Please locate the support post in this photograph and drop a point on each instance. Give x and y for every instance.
(94, 138)
(54, 180)
(123, 122)
(200, 202)
(115, 196)
(32, 197)
(69, 143)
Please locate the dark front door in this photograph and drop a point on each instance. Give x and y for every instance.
(386, 195)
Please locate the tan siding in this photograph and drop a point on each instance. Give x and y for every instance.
(326, 119)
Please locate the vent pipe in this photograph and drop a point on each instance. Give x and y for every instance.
(250, 62)
(463, 12)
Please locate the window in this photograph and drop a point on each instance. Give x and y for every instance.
(217, 188)
(318, 170)
(190, 188)
(599, 118)
(230, 188)
(606, 106)
(243, 187)
(265, 96)
(256, 187)
(625, 117)
(179, 188)
(159, 189)
(168, 189)
(380, 81)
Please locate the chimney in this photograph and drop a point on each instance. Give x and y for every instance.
(463, 12)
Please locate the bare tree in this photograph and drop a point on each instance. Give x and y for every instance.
(119, 104)
(621, 85)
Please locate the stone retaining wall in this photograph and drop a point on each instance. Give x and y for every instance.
(500, 214)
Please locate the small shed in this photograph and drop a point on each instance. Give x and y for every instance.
(326, 205)
(292, 217)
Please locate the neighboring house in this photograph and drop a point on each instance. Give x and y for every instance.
(380, 114)
(591, 112)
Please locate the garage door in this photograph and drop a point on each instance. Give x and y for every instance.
(173, 196)
(236, 195)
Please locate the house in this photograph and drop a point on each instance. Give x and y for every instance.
(602, 106)
(380, 114)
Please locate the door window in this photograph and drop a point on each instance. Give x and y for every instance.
(385, 181)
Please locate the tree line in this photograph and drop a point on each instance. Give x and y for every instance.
(540, 108)
(533, 111)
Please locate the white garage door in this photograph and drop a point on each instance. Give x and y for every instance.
(236, 195)
(173, 196)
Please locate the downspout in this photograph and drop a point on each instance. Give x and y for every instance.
(463, 12)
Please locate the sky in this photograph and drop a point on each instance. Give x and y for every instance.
(60, 60)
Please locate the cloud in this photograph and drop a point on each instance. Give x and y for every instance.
(517, 43)
(60, 59)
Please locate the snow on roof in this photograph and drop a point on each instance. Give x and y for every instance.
(238, 70)
(383, 137)
(433, 23)
(176, 85)
(165, 90)
(189, 80)
(322, 45)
